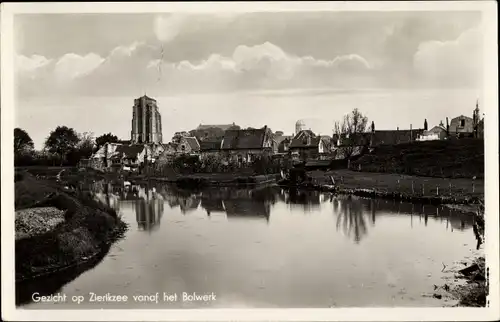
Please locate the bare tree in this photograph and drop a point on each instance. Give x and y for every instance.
(348, 132)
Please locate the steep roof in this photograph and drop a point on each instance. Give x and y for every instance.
(244, 139)
(130, 151)
(305, 139)
(193, 143)
(435, 129)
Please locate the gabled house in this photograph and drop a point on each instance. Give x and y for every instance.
(185, 145)
(245, 145)
(350, 145)
(284, 145)
(188, 145)
(282, 142)
(101, 158)
(307, 145)
(461, 125)
(438, 132)
(131, 155)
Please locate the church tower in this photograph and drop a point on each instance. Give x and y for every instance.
(146, 121)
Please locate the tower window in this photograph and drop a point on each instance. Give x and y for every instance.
(462, 123)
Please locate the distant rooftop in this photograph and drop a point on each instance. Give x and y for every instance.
(219, 126)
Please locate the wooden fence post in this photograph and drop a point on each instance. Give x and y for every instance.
(473, 187)
(437, 190)
(450, 188)
(423, 189)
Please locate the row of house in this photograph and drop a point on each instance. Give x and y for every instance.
(460, 127)
(244, 145)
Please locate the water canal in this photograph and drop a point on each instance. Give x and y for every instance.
(269, 248)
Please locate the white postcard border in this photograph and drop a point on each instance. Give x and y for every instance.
(489, 10)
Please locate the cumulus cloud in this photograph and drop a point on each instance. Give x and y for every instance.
(453, 62)
(137, 67)
(72, 66)
(30, 64)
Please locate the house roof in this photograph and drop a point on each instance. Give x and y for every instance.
(130, 151)
(244, 139)
(219, 126)
(301, 140)
(396, 136)
(281, 138)
(380, 137)
(210, 145)
(355, 139)
(193, 143)
(435, 129)
(461, 117)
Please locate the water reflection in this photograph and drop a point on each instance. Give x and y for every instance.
(351, 217)
(147, 203)
(354, 216)
(305, 200)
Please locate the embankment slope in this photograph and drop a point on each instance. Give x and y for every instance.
(454, 158)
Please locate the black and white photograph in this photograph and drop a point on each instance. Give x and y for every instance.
(322, 156)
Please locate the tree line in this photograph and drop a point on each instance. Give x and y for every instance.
(63, 147)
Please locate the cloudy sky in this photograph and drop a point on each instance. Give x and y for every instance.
(170, 55)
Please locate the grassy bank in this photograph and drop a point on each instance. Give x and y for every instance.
(462, 158)
(88, 227)
(395, 186)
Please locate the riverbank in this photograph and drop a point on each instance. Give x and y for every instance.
(401, 187)
(475, 290)
(200, 180)
(58, 229)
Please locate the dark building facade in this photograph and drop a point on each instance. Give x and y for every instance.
(146, 121)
